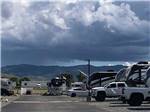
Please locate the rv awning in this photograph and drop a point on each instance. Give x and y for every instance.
(100, 75)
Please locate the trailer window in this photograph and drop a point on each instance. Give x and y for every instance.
(135, 75)
(148, 73)
(25, 84)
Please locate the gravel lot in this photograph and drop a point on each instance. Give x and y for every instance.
(5, 100)
(113, 105)
(68, 104)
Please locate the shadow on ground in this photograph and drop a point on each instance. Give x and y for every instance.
(140, 108)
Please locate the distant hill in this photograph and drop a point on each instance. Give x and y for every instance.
(51, 71)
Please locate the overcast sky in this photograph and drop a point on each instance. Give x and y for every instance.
(66, 33)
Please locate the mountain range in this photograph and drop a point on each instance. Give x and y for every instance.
(51, 71)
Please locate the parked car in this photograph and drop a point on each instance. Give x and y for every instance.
(113, 89)
(77, 92)
(76, 85)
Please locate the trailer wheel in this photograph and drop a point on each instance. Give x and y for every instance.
(135, 99)
(100, 96)
(4, 92)
(123, 100)
(73, 95)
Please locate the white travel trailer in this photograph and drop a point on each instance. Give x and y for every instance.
(57, 86)
(133, 75)
(28, 86)
(7, 86)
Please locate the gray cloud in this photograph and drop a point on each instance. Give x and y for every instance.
(46, 32)
(6, 9)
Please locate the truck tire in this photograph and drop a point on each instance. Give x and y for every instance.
(135, 99)
(123, 100)
(73, 95)
(100, 96)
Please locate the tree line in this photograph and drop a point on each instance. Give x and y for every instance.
(69, 79)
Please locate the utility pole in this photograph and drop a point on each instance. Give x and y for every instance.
(88, 82)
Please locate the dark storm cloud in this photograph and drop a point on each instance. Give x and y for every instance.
(5, 9)
(45, 33)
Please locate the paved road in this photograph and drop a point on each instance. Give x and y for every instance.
(50, 104)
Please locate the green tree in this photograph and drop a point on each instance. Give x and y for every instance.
(80, 77)
(69, 78)
(25, 79)
(14, 79)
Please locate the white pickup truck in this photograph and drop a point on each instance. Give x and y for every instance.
(136, 95)
(113, 89)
